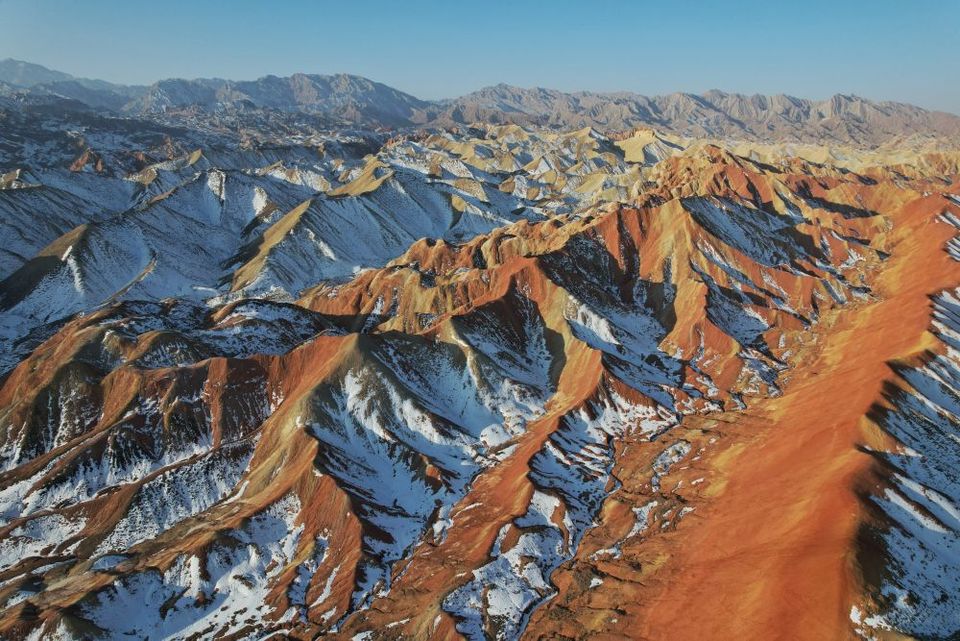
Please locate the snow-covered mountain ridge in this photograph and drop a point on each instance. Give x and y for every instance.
(481, 382)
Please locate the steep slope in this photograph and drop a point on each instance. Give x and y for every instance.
(490, 607)
(223, 223)
(441, 445)
(908, 544)
(768, 528)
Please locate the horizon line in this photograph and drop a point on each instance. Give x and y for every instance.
(479, 89)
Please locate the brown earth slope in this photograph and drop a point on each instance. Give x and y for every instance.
(636, 421)
(770, 550)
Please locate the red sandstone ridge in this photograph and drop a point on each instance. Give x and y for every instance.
(720, 405)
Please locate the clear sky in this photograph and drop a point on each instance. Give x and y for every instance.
(906, 50)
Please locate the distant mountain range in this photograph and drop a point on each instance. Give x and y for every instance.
(347, 100)
(312, 358)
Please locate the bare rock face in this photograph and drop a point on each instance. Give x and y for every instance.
(491, 382)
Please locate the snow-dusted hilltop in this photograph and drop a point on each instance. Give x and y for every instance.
(265, 375)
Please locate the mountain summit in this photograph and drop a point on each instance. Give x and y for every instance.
(840, 119)
(346, 100)
(307, 357)
(486, 384)
(27, 74)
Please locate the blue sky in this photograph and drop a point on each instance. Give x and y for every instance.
(907, 50)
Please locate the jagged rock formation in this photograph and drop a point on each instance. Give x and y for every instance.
(484, 383)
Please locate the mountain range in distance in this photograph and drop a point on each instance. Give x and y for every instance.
(309, 358)
(347, 100)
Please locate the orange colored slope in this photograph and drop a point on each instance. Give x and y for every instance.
(772, 554)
